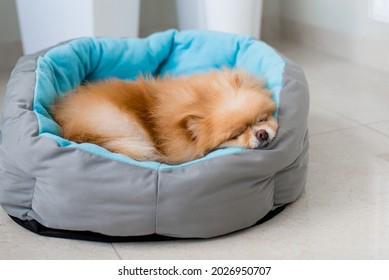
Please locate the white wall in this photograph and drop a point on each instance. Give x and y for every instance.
(271, 20)
(339, 27)
(9, 30)
(44, 23)
(316, 23)
(346, 16)
(42, 28)
(118, 18)
(349, 17)
(10, 48)
(272, 7)
(157, 15)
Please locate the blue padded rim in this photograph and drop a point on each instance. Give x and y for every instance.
(66, 66)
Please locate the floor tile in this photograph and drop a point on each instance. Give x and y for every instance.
(382, 127)
(322, 120)
(17, 243)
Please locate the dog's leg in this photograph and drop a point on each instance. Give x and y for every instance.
(138, 150)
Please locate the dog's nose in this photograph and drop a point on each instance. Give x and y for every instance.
(262, 135)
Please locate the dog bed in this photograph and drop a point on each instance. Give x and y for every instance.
(60, 188)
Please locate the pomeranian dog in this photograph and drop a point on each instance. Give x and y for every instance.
(170, 119)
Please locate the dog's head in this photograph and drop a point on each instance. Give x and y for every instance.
(240, 112)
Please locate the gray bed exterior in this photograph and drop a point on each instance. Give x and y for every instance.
(71, 189)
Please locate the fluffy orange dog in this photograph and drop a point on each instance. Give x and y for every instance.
(171, 120)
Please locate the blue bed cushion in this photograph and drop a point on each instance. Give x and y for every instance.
(66, 66)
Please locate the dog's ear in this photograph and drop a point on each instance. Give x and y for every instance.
(192, 124)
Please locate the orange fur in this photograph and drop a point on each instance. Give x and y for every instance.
(171, 120)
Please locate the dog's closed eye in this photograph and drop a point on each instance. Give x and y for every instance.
(238, 133)
(263, 118)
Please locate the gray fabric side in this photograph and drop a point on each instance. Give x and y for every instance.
(16, 186)
(213, 198)
(95, 194)
(293, 121)
(66, 188)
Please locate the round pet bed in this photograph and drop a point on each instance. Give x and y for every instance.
(60, 188)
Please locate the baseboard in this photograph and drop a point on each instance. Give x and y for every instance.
(9, 54)
(367, 52)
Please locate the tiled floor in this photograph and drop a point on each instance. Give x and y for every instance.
(343, 214)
